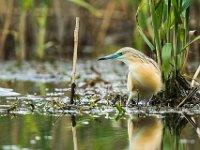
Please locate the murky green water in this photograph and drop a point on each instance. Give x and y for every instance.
(41, 118)
(36, 131)
(55, 132)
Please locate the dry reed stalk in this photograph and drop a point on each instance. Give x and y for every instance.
(60, 19)
(73, 85)
(185, 60)
(6, 26)
(22, 36)
(185, 100)
(106, 22)
(192, 34)
(195, 76)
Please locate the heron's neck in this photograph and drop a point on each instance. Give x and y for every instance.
(131, 62)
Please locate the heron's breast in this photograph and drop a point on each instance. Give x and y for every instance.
(146, 77)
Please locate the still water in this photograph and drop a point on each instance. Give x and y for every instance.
(36, 131)
(35, 95)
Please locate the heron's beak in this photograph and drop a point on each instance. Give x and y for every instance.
(112, 56)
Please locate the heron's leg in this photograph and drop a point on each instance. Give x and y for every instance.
(147, 102)
(138, 97)
(129, 98)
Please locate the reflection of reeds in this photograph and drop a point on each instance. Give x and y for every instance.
(74, 133)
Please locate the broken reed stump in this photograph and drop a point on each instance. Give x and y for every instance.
(195, 76)
(73, 84)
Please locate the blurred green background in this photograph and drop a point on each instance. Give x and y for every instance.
(43, 29)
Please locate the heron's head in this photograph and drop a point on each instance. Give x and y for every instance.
(125, 55)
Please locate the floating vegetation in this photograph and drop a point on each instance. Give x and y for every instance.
(96, 93)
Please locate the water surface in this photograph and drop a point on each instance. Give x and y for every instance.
(40, 116)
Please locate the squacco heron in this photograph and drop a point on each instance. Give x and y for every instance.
(144, 77)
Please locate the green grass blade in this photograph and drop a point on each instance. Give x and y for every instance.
(182, 37)
(176, 11)
(156, 31)
(145, 38)
(189, 43)
(140, 29)
(166, 59)
(186, 4)
(159, 12)
(121, 111)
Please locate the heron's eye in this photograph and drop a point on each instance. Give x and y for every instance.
(120, 54)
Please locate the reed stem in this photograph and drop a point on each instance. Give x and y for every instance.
(73, 84)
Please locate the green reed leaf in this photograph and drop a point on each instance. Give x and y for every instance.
(186, 4)
(145, 38)
(177, 13)
(166, 58)
(147, 41)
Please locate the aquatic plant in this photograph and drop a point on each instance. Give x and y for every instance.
(170, 28)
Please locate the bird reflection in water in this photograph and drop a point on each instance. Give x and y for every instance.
(145, 133)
